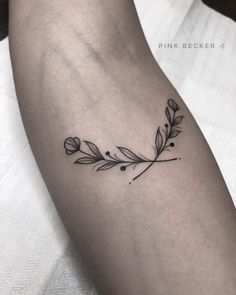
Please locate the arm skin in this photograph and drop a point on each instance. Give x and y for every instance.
(83, 68)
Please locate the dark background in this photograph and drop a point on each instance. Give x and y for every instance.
(226, 7)
(3, 19)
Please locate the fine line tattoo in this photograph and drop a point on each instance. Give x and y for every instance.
(129, 158)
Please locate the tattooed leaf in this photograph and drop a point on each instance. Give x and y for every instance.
(178, 120)
(86, 160)
(106, 166)
(174, 133)
(129, 154)
(168, 116)
(158, 141)
(94, 149)
(176, 129)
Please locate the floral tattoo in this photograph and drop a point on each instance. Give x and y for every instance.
(163, 142)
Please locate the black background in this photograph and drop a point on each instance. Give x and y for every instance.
(226, 7)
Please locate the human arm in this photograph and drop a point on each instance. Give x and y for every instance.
(85, 70)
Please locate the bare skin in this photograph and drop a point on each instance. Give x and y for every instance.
(83, 68)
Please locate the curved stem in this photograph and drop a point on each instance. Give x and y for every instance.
(158, 154)
(152, 162)
(86, 153)
(144, 170)
(167, 160)
(114, 159)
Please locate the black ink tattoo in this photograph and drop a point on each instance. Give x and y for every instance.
(105, 162)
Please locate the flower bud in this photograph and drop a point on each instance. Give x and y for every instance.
(72, 145)
(173, 105)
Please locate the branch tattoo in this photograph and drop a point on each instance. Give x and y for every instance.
(163, 142)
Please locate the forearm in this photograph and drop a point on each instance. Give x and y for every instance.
(85, 70)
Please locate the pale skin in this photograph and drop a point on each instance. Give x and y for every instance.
(83, 68)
